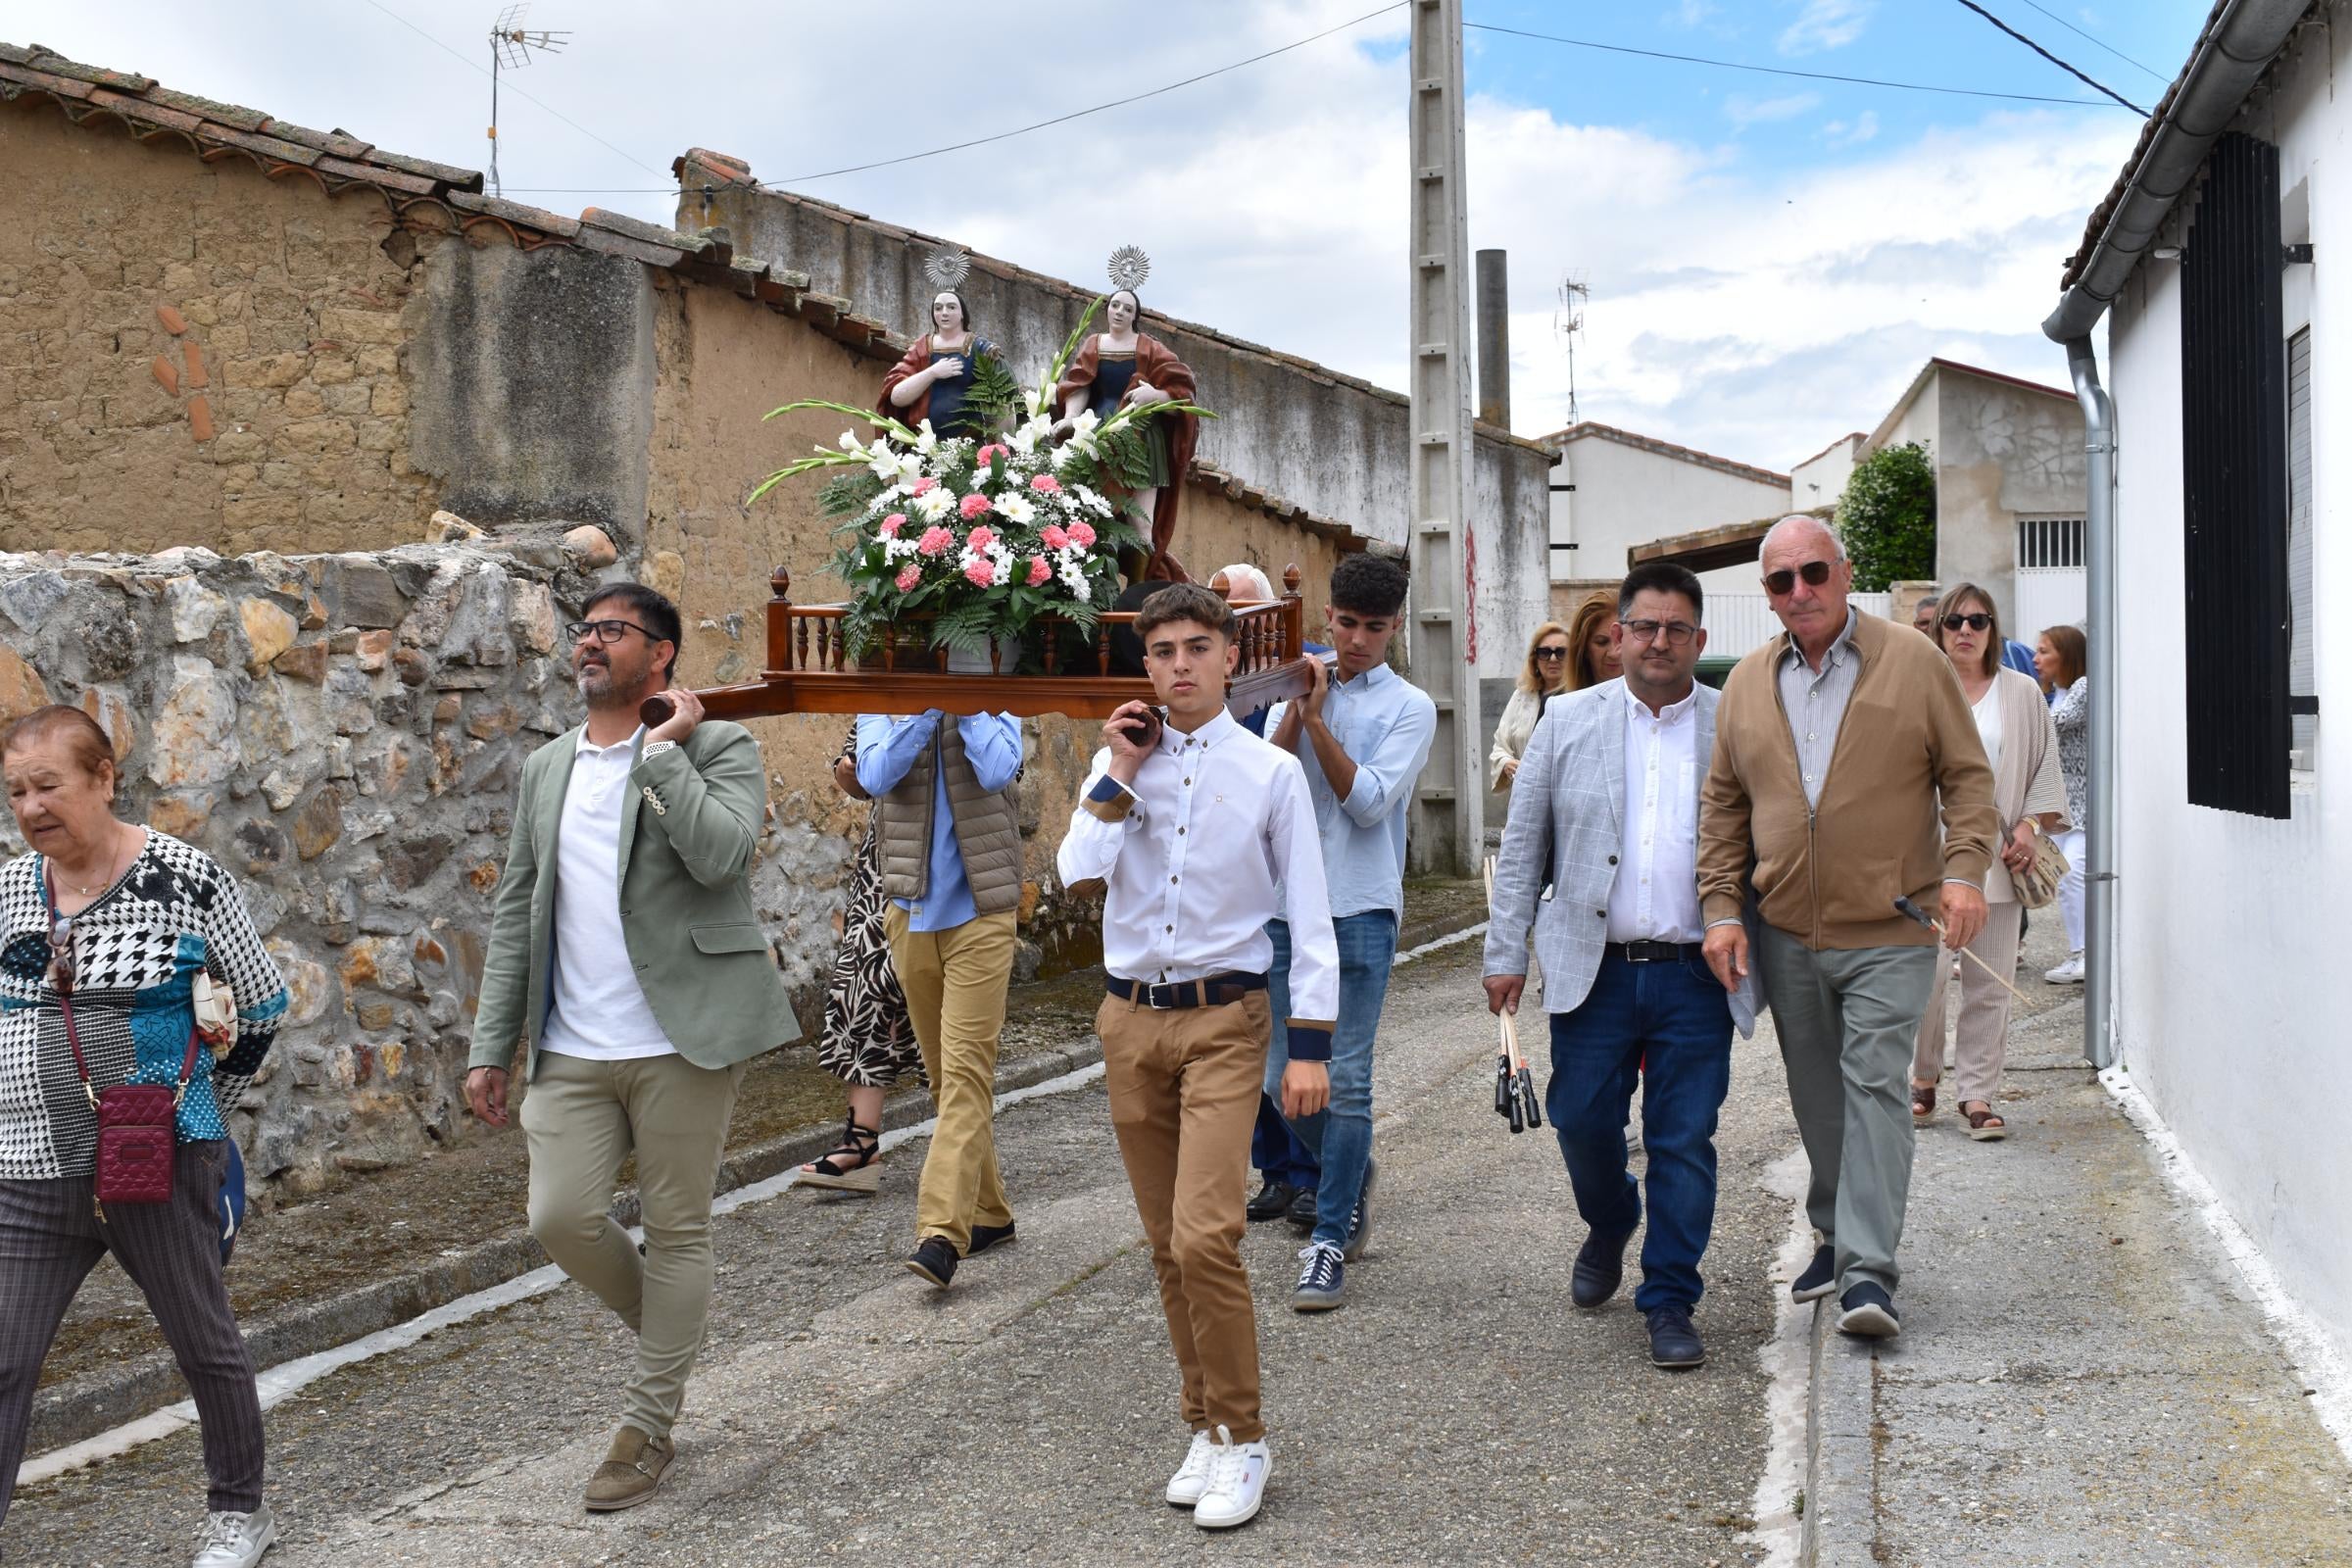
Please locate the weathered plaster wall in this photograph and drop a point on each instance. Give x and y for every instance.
(2004, 451)
(280, 414)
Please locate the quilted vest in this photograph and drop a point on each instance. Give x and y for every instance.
(988, 829)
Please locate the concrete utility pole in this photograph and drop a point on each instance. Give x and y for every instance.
(1449, 805)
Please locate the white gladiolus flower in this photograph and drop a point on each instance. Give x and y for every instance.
(849, 442)
(926, 440)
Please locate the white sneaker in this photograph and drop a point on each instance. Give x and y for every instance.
(1237, 1483)
(1192, 1478)
(235, 1540)
(2069, 973)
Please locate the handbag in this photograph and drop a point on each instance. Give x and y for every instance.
(138, 1128)
(2038, 884)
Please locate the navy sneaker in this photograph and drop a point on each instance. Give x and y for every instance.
(1673, 1341)
(1866, 1313)
(985, 1236)
(1323, 1283)
(935, 1260)
(1360, 1224)
(1599, 1269)
(1820, 1277)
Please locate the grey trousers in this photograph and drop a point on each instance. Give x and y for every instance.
(1847, 1020)
(50, 1240)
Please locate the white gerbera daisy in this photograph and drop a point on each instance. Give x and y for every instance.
(1016, 509)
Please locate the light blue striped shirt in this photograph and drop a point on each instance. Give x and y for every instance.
(1384, 723)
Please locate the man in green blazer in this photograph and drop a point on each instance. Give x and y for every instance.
(626, 960)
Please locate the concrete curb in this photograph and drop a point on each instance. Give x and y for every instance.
(1840, 1520)
(102, 1400)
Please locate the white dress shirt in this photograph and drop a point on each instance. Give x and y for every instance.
(1655, 897)
(1183, 905)
(595, 1008)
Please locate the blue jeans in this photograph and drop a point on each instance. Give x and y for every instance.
(1339, 1135)
(1672, 1022)
(1276, 1150)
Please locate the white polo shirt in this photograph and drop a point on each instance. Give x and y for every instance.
(597, 1010)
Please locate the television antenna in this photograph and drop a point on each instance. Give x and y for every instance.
(1567, 320)
(510, 47)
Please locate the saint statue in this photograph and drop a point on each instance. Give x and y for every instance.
(1123, 368)
(932, 381)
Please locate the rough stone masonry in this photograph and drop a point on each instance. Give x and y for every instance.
(344, 733)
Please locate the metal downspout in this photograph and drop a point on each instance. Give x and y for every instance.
(2099, 552)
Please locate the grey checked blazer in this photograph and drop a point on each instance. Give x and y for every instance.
(1574, 775)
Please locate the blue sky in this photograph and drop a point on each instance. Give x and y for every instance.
(1770, 260)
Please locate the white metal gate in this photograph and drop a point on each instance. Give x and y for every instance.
(2051, 588)
(1737, 623)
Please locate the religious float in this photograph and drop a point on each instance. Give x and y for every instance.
(984, 532)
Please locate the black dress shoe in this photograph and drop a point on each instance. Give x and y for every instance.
(935, 1260)
(985, 1236)
(1866, 1313)
(1273, 1201)
(1820, 1277)
(1303, 1210)
(1599, 1269)
(1673, 1341)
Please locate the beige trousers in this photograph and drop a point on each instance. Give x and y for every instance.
(1981, 1043)
(582, 1118)
(1184, 1088)
(954, 982)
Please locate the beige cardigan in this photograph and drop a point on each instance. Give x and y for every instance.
(1512, 733)
(2028, 781)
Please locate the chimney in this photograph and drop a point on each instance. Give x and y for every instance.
(1494, 339)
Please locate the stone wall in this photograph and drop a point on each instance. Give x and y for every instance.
(344, 733)
(194, 352)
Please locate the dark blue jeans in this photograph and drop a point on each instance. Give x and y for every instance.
(1276, 1150)
(1671, 1022)
(1340, 1134)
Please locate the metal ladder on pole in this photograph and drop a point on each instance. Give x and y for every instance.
(1449, 802)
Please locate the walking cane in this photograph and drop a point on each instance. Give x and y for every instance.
(1514, 1086)
(1906, 908)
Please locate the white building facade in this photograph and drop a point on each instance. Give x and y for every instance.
(1614, 489)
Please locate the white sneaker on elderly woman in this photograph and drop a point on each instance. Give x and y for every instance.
(235, 1540)
(2069, 973)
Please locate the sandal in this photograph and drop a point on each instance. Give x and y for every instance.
(850, 1167)
(1923, 1103)
(1983, 1125)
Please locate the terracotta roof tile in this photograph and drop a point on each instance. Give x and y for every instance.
(43, 58)
(546, 223)
(644, 232)
(339, 142)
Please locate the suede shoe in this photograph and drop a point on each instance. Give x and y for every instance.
(1599, 1269)
(1820, 1277)
(1302, 1212)
(985, 1236)
(631, 1470)
(1673, 1341)
(1866, 1313)
(935, 1260)
(1273, 1201)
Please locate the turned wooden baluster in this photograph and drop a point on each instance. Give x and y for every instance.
(1293, 614)
(800, 640)
(779, 618)
(1102, 647)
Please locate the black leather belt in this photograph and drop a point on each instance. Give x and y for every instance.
(1210, 991)
(1656, 951)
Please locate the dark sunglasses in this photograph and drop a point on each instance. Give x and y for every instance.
(60, 952)
(1975, 622)
(1551, 653)
(1815, 573)
(607, 631)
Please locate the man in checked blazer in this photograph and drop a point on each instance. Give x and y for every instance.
(1605, 808)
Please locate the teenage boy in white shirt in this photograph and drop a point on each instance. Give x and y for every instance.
(1187, 1018)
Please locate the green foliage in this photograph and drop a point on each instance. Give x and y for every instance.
(994, 399)
(1887, 518)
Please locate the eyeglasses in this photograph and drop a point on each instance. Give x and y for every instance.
(60, 952)
(1673, 633)
(607, 631)
(1551, 653)
(1815, 573)
(1975, 622)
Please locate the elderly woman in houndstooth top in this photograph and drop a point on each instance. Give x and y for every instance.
(106, 929)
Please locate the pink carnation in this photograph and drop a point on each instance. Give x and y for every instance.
(935, 541)
(910, 578)
(1054, 538)
(923, 486)
(981, 538)
(1039, 572)
(983, 574)
(986, 455)
(1082, 534)
(893, 523)
(972, 506)
(1044, 484)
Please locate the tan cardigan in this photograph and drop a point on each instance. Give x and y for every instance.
(1829, 876)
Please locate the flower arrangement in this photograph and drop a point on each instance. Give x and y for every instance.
(981, 534)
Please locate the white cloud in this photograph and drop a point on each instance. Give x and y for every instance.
(1743, 110)
(1826, 25)
(1843, 133)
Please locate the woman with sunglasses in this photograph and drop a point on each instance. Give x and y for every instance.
(2028, 790)
(1544, 673)
(106, 928)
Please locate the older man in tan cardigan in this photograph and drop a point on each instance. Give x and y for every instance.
(1833, 744)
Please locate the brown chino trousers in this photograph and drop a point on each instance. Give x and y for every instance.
(954, 982)
(1184, 1088)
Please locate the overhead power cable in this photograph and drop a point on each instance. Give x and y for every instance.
(2053, 59)
(2099, 43)
(1784, 71)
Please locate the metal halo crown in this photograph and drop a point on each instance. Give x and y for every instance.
(949, 268)
(1129, 268)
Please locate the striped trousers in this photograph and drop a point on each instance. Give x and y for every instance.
(50, 1239)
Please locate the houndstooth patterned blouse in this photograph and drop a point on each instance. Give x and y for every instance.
(2072, 715)
(136, 949)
